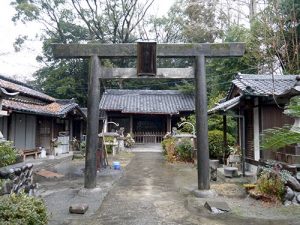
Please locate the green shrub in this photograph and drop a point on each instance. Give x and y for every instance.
(165, 144)
(8, 154)
(271, 184)
(215, 143)
(129, 141)
(168, 145)
(184, 150)
(17, 209)
(177, 150)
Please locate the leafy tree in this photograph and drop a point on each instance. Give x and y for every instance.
(187, 21)
(64, 80)
(269, 40)
(215, 121)
(221, 71)
(201, 21)
(277, 29)
(77, 21)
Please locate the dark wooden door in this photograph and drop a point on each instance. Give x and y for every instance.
(44, 133)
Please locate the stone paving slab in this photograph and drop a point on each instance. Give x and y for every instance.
(48, 174)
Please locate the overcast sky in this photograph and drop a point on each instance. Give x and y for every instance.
(21, 65)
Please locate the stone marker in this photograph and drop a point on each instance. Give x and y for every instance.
(217, 207)
(78, 208)
(231, 172)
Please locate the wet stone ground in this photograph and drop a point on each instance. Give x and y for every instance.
(152, 191)
(60, 193)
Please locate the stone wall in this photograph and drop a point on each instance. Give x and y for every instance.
(16, 179)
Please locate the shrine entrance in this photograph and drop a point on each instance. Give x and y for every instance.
(146, 54)
(149, 129)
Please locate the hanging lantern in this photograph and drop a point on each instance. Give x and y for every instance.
(146, 58)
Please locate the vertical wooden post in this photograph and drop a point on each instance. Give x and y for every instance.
(81, 129)
(71, 134)
(201, 124)
(225, 144)
(169, 126)
(92, 125)
(131, 124)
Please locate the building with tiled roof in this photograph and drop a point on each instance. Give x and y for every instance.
(169, 102)
(258, 101)
(264, 85)
(32, 119)
(146, 111)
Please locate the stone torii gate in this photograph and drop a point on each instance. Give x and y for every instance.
(94, 52)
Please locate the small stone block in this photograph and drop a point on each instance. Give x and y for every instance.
(78, 208)
(231, 172)
(223, 206)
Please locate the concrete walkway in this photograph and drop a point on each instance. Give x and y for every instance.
(148, 194)
(144, 195)
(147, 148)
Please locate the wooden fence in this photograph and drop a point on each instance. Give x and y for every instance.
(148, 137)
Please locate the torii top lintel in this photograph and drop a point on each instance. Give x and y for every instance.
(163, 50)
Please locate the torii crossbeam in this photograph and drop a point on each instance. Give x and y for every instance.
(195, 50)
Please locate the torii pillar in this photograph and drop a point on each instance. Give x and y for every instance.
(195, 50)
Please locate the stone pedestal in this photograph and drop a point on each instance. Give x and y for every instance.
(204, 193)
(231, 172)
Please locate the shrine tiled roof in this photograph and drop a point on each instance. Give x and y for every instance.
(147, 101)
(16, 86)
(226, 105)
(31, 101)
(264, 85)
(257, 85)
(51, 109)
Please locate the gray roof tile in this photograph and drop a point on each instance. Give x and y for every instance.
(13, 86)
(34, 102)
(264, 84)
(51, 109)
(224, 106)
(146, 101)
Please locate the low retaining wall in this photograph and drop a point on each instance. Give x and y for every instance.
(17, 179)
